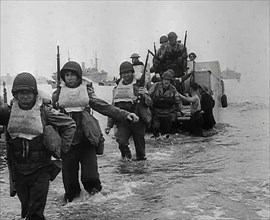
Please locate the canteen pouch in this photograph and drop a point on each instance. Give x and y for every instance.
(52, 141)
(92, 131)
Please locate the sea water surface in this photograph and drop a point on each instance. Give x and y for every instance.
(222, 176)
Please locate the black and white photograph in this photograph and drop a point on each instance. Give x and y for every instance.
(134, 110)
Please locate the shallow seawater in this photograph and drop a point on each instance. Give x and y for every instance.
(222, 176)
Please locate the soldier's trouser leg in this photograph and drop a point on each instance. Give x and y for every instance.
(22, 192)
(32, 191)
(122, 138)
(155, 125)
(165, 124)
(138, 133)
(196, 122)
(89, 169)
(70, 173)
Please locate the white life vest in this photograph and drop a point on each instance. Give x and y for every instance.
(73, 99)
(25, 123)
(124, 93)
(191, 66)
(138, 70)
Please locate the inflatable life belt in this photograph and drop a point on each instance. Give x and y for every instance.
(224, 102)
(73, 99)
(124, 93)
(25, 123)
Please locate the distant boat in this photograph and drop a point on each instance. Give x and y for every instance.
(230, 74)
(108, 82)
(93, 73)
(90, 74)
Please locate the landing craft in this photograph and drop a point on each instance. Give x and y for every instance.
(208, 74)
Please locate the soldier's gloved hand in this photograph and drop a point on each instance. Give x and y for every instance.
(158, 75)
(133, 117)
(107, 130)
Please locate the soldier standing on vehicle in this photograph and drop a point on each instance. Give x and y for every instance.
(158, 66)
(191, 62)
(128, 95)
(175, 58)
(33, 168)
(75, 100)
(166, 104)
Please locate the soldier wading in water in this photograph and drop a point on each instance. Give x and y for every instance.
(26, 120)
(75, 100)
(130, 96)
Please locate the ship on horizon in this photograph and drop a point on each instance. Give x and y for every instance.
(230, 74)
(89, 74)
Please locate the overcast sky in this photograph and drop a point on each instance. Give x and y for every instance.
(236, 33)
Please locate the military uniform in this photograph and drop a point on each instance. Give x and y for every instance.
(33, 167)
(158, 63)
(74, 101)
(158, 66)
(175, 57)
(166, 104)
(126, 97)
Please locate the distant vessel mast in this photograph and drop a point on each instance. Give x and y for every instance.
(96, 62)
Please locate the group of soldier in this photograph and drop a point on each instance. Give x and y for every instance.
(134, 108)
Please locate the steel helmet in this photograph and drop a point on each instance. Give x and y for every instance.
(163, 39)
(168, 74)
(24, 81)
(172, 35)
(73, 67)
(134, 55)
(126, 67)
(192, 54)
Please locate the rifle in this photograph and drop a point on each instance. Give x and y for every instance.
(58, 67)
(149, 51)
(184, 64)
(141, 81)
(141, 109)
(155, 56)
(155, 49)
(185, 40)
(11, 172)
